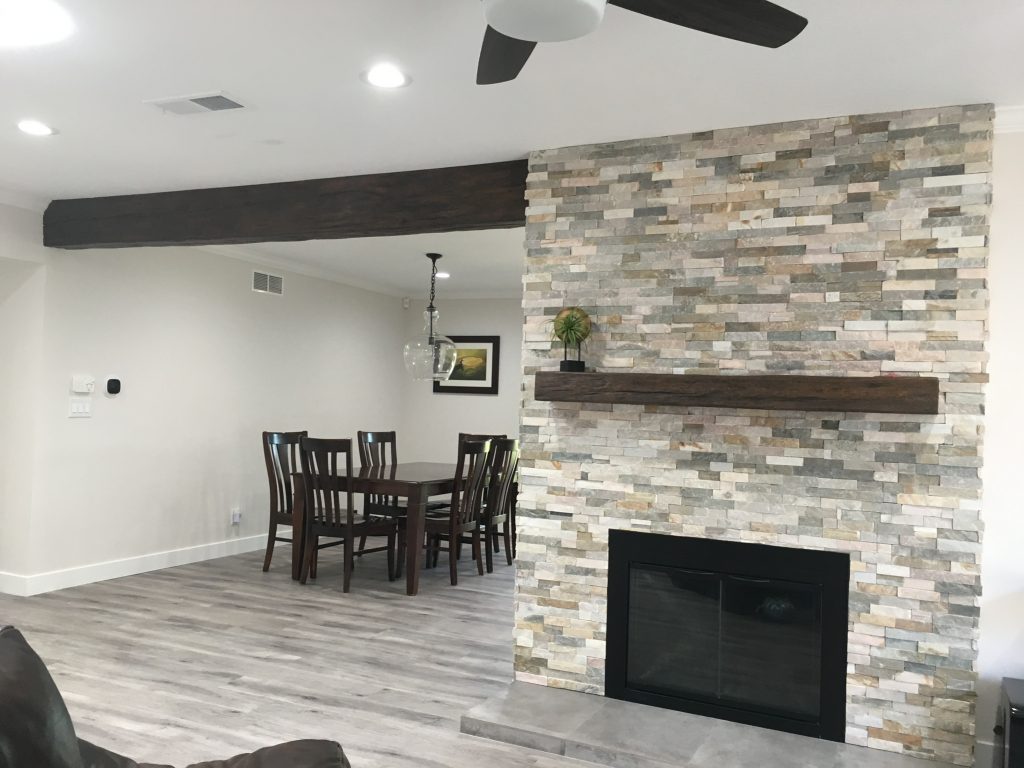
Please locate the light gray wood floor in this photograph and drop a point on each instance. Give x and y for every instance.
(209, 660)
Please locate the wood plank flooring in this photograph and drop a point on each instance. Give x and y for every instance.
(209, 660)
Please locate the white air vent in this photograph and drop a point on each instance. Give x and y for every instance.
(195, 105)
(264, 283)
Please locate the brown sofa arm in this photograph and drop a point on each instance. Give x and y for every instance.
(97, 757)
(308, 753)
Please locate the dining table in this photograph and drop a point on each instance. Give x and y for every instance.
(414, 481)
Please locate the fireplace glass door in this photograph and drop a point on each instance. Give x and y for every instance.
(729, 639)
(753, 633)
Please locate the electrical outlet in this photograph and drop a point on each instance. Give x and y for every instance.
(236, 516)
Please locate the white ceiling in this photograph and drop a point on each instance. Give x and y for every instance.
(297, 65)
(487, 264)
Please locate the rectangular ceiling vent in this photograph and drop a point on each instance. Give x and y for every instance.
(264, 283)
(195, 105)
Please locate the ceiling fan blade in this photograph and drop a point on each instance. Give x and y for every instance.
(750, 21)
(502, 57)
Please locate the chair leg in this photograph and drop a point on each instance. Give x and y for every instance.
(270, 547)
(453, 562)
(399, 566)
(391, 556)
(496, 539)
(349, 562)
(307, 559)
(316, 558)
(488, 537)
(362, 542)
(507, 535)
(477, 552)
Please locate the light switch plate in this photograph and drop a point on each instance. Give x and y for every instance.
(80, 408)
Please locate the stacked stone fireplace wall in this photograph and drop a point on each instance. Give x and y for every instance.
(846, 246)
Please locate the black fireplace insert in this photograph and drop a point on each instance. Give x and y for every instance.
(745, 632)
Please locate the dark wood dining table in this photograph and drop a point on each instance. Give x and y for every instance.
(416, 482)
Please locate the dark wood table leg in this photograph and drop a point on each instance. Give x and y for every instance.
(298, 528)
(415, 513)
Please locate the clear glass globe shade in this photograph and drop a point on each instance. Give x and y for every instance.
(430, 356)
(545, 21)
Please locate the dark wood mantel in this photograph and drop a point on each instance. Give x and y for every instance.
(870, 394)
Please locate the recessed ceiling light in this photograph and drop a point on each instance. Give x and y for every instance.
(386, 76)
(25, 23)
(35, 128)
(443, 275)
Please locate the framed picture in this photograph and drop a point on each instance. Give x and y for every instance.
(476, 366)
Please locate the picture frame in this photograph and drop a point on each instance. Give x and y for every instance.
(476, 367)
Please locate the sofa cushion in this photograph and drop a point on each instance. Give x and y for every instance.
(35, 728)
(296, 754)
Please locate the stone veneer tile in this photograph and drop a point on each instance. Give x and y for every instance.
(848, 245)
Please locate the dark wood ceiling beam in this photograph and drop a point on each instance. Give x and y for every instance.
(470, 197)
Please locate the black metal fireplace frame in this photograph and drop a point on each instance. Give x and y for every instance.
(829, 569)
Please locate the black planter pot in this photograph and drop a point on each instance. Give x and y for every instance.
(572, 366)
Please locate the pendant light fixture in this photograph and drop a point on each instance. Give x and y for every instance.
(430, 356)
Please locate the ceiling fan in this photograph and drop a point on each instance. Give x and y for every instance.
(516, 26)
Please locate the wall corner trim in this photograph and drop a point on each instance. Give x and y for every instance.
(1010, 119)
(22, 200)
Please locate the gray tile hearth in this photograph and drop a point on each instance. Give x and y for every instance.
(626, 735)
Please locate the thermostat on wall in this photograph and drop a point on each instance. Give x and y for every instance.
(82, 384)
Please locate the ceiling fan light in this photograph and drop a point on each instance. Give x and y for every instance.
(544, 21)
(25, 23)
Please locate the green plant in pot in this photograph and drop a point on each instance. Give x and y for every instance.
(572, 327)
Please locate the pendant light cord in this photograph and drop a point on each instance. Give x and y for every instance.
(433, 290)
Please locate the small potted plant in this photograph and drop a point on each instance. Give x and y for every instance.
(572, 327)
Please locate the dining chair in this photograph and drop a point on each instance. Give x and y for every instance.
(280, 451)
(496, 518)
(463, 518)
(326, 467)
(460, 469)
(377, 449)
(441, 508)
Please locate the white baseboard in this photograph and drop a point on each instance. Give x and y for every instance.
(984, 754)
(26, 586)
(13, 584)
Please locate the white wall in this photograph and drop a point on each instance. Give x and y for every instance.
(1002, 568)
(206, 365)
(22, 283)
(431, 422)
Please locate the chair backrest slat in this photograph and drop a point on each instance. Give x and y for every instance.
(377, 449)
(280, 453)
(460, 470)
(504, 464)
(326, 466)
(475, 459)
